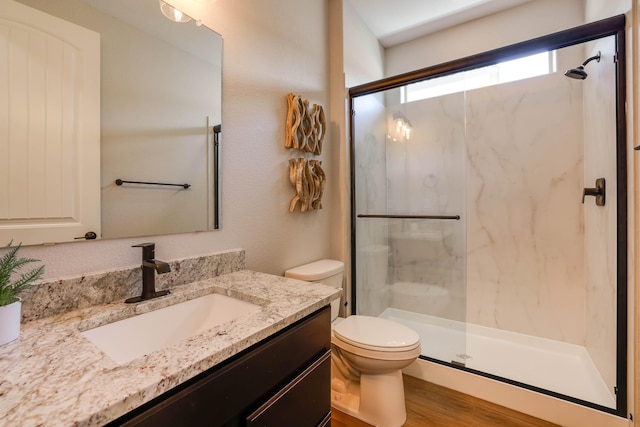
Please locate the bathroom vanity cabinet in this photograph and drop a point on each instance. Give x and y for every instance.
(284, 380)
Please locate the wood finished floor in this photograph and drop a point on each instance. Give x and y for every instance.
(432, 405)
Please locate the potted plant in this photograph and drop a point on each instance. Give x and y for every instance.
(10, 303)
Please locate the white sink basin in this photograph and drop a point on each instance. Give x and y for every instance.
(137, 336)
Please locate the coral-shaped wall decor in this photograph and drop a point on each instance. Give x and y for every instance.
(305, 127)
(307, 176)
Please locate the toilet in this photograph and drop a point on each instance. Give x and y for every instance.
(367, 356)
(329, 272)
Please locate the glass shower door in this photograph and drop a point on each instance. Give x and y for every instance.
(409, 175)
(489, 199)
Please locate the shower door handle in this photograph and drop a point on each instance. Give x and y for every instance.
(598, 192)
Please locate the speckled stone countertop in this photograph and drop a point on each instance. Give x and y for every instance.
(53, 376)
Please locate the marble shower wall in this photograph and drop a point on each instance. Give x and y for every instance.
(600, 221)
(525, 237)
(508, 159)
(512, 164)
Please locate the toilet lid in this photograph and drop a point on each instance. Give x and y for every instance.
(375, 333)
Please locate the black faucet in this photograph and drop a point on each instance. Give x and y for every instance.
(149, 267)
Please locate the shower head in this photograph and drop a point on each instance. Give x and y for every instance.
(579, 73)
(576, 73)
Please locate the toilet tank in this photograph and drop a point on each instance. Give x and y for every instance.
(329, 272)
(326, 271)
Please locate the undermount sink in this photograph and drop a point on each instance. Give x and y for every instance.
(137, 336)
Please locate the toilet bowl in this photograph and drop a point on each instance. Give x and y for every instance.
(367, 356)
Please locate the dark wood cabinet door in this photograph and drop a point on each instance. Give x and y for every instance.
(303, 402)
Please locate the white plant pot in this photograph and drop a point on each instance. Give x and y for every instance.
(10, 322)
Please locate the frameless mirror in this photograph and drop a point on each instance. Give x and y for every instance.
(159, 114)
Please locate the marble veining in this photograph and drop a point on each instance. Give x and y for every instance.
(53, 376)
(510, 160)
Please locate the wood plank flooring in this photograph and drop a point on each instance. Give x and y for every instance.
(432, 405)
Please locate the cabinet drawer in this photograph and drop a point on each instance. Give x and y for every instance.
(304, 402)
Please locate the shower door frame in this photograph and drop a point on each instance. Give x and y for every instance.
(614, 26)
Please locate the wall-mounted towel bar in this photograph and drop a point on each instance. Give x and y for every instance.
(121, 181)
(456, 217)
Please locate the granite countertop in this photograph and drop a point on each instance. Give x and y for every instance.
(53, 376)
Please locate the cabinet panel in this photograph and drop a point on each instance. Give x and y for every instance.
(302, 402)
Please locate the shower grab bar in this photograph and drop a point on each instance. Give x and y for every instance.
(121, 181)
(456, 217)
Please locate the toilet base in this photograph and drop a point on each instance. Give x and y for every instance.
(379, 399)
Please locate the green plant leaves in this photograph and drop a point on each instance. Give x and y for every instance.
(10, 263)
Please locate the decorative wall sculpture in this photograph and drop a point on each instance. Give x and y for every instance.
(309, 179)
(305, 127)
(305, 130)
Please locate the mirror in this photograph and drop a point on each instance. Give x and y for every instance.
(160, 116)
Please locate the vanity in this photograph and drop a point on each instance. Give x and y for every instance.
(281, 381)
(269, 367)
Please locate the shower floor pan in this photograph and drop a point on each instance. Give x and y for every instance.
(551, 365)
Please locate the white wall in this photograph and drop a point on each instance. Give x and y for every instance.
(363, 54)
(270, 49)
(600, 9)
(530, 20)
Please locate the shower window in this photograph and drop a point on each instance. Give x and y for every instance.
(473, 216)
(503, 72)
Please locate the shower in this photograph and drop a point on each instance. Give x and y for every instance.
(579, 73)
(472, 233)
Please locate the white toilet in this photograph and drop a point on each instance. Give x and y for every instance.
(368, 355)
(329, 272)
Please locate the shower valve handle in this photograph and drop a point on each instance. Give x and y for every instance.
(598, 192)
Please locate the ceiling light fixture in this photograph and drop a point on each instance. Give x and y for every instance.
(172, 13)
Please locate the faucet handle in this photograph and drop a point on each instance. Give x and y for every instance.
(598, 192)
(148, 250)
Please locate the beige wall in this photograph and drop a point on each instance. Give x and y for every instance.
(508, 27)
(363, 54)
(270, 49)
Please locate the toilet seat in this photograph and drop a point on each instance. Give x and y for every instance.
(376, 334)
